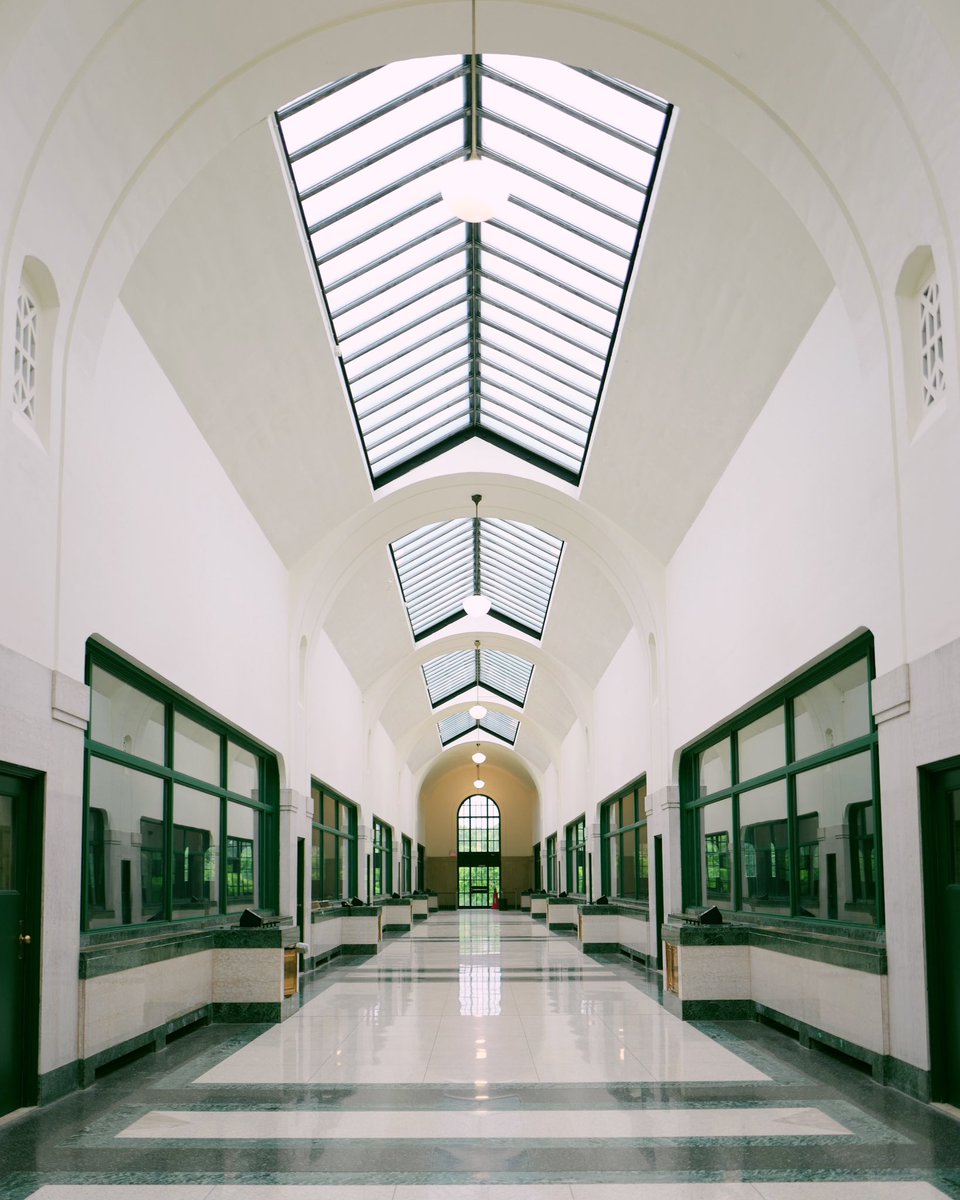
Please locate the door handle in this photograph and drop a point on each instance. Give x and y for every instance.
(25, 939)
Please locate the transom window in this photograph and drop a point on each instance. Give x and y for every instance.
(781, 810)
(445, 330)
(180, 810)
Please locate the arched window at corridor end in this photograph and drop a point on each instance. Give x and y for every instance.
(478, 852)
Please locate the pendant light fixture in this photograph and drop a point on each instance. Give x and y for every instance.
(478, 783)
(476, 604)
(478, 757)
(477, 711)
(475, 189)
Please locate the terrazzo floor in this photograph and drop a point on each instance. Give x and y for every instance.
(481, 1057)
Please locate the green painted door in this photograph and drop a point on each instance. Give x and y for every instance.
(17, 948)
(942, 872)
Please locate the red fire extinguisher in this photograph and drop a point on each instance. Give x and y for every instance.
(496, 898)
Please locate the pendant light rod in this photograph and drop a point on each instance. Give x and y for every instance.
(476, 545)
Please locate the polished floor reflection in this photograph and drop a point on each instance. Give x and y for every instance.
(481, 1057)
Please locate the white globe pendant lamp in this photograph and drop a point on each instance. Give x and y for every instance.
(475, 189)
(478, 757)
(478, 783)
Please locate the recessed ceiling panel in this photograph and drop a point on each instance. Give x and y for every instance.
(446, 330)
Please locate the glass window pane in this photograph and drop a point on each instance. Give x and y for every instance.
(196, 750)
(243, 857)
(716, 850)
(243, 772)
(643, 864)
(316, 866)
(124, 718)
(714, 768)
(760, 745)
(628, 810)
(196, 848)
(628, 865)
(124, 846)
(833, 712)
(835, 833)
(764, 857)
(331, 884)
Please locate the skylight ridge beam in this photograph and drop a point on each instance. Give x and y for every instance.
(568, 110)
(404, 374)
(549, 304)
(576, 387)
(404, 412)
(560, 283)
(627, 89)
(569, 227)
(398, 307)
(563, 337)
(558, 148)
(360, 238)
(612, 280)
(321, 93)
(571, 193)
(375, 114)
(556, 433)
(537, 404)
(382, 261)
(474, 301)
(378, 156)
(387, 190)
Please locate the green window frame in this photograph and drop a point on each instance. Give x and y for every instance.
(781, 805)
(552, 864)
(381, 859)
(624, 845)
(406, 865)
(333, 847)
(537, 869)
(180, 809)
(575, 837)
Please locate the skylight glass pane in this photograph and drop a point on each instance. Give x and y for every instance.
(401, 278)
(507, 674)
(518, 567)
(435, 569)
(501, 726)
(455, 726)
(449, 675)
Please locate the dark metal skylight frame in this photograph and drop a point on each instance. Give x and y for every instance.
(499, 672)
(513, 564)
(499, 725)
(447, 331)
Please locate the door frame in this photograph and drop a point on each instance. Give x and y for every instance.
(33, 809)
(931, 781)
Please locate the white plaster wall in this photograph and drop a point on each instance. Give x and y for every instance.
(160, 555)
(621, 721)
(575, 794)
(334, 722)
(796, 547)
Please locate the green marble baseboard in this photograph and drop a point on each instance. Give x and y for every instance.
(563, 926)
(242, 1013)
(600, 947)
(396, 929)
(59, 1082)
(151, 1039)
